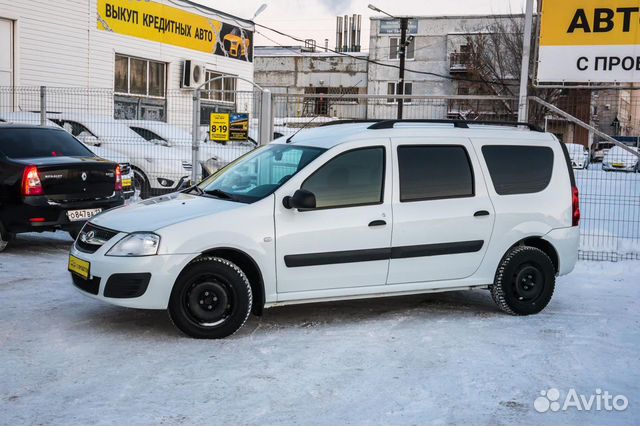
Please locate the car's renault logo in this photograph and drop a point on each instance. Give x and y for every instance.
(84, 176)
(89, 236)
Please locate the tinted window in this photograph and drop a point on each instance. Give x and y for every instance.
(40, 142)
(431, 172)
(352, 178)
(519, 169)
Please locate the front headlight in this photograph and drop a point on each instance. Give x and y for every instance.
(139, 244)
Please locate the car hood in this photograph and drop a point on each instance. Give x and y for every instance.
(156, 213)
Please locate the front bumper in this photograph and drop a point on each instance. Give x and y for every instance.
(625, 168)
(135, 282)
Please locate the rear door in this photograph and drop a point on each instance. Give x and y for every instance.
(443, 217)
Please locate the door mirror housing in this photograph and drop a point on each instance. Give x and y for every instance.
(301, 199)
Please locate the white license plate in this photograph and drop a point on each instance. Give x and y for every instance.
(77, 215)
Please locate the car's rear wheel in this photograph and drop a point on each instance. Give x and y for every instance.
(524, 281)
(141, 188)
(4, 238)
(211, 299)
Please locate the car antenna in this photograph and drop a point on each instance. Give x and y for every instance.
(318, 115)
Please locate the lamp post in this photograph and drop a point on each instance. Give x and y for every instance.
(402, 52)
(261, 9)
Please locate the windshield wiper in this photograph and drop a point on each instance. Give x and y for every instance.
(221, 194)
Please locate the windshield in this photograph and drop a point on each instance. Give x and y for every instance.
(258, 173)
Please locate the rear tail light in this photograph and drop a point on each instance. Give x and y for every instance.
(118, 178)
(31, 184)
(575, 206)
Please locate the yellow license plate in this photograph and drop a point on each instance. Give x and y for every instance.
(79, 267)
(126, 182)
(618, 165)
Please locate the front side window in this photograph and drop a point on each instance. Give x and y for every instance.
(258, 173)
(353, 178)
(434, 172)
(518, 169)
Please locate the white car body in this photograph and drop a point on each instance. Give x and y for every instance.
(620, 159)
(212, 155)
(266, 231)
(164, 168)
(579, 155)
(125, 164)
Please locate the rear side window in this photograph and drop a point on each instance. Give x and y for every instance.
(40, 142)
(353, 178)
(518, 169)
(429, 172)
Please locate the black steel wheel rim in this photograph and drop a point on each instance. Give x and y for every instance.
(528, 283)
(209, 301)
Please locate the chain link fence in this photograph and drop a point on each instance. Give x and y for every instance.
(153, 136)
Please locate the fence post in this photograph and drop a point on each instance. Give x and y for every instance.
(43, 106)
(265, 129)
(195, 133)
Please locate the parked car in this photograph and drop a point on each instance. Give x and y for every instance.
(125, 165)
(213, 156)
(599, 150)
(618, 158)
(579, 156)
(311, 219)
(157, 169)
(49, 181)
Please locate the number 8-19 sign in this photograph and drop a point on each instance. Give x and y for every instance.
(219, 127)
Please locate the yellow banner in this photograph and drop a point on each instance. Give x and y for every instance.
(154, 21)
(590, 22)
(219, 127)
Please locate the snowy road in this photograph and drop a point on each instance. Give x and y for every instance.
(444, 358)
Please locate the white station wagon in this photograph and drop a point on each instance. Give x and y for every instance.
(345, 211)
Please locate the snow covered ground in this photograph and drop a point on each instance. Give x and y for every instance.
(430, 359)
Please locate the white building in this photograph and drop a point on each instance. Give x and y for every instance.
(133, 51)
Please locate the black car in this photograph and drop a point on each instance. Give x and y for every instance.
(50, 181)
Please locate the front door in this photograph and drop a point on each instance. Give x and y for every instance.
(345, 241)
(443, 217)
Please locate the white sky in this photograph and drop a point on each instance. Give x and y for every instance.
(317, 18)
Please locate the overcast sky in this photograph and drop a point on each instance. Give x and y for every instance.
(317, 18)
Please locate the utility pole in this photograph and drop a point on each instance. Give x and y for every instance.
(402, 51)
(523, 116)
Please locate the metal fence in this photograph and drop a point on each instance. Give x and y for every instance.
(154, 136)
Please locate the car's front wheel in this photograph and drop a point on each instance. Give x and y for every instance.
(524, 281)
(211, 299)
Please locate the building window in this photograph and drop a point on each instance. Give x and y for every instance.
(140, 88)
(217, 96)
(223, 90)
(392, 89)
(394, 48)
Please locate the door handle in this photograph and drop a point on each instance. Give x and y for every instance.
(481, 213)
(377, 223)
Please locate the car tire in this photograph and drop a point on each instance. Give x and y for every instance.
(524, 281)
(4, 238)
(211, 299)
(141, 187)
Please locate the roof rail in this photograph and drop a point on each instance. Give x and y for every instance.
(351, 121)
(462, 124)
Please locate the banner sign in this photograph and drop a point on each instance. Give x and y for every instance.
(154, 21)
(392, 27)
(239, 127)
(593, 41)
(219, 127)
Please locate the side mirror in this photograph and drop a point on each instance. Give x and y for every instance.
(88, 139)
(301, 199)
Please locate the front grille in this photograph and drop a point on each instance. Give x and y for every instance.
(93, 237)
(125, 169)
